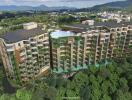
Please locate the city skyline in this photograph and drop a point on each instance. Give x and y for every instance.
(53, 3)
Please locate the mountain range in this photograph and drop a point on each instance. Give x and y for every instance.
(117, 4)
(38, 8)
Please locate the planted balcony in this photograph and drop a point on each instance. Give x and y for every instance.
(78, 38)
(130, 46)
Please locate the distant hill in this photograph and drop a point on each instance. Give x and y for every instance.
(127, 4)
(39, 8)
(117, 4)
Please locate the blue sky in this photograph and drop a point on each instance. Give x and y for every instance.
(69, 3)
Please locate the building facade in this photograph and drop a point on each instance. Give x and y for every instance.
(25, 53)
(77, 51)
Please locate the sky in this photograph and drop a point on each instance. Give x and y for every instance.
(69, 3)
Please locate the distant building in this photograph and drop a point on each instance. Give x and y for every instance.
(106, 16)
(25, 53)
(31, 25)
(104, 19)
(126, 18)
(88, 22)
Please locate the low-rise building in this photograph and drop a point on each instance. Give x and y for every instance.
(88, 22)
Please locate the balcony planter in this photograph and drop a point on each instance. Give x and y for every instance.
(130, 46)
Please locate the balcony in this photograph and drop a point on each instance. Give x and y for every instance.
(46, 47)
(29, 57)
(10, 49)
(27, 45)
(22, 54)
(55, 62)
(130, 46)
(34, 48)
(46, 38)
(28, 50)
(40, 45)
(62, 46)
(33, 42)
(23, 59)
(29, 63)
(46, 42)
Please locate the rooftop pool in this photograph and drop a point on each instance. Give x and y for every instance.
(59, 33)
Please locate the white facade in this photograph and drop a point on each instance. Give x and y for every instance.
(88, 22)
(30, 25)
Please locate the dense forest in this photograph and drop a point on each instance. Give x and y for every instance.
(111, 82)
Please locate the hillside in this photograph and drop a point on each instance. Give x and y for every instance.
(110, 6)
(116, 5)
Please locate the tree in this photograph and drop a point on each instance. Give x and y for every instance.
(104, 73)
(123, 85)
(38, 94)
(106, 97)
(66, 19)
(129, 59)
(23, 94)
(123, 96)
(60, 93)
(51, 93)
(85, 93)
(5, 97)
(1, 82)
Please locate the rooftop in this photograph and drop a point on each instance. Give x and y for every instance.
(59, 33)
(22, 34)
(31, 23)
(111, 24)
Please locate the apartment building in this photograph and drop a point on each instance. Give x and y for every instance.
(73, 51)
(30, 52)
(25, 53)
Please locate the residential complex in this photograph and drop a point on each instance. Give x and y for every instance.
(31, 52)
(67, 52)
(90, 46)
(25, 53)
